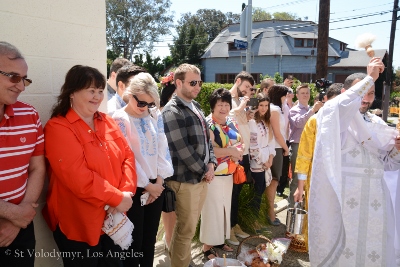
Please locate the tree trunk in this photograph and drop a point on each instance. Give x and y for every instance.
(323, 34)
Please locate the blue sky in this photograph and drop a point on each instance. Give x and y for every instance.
(348, 11)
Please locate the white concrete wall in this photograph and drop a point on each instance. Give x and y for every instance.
(53, 35)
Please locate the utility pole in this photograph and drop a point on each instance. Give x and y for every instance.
(323, 35)
(249, 34)
(389, 67)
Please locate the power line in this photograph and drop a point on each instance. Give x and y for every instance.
(286, 4)
(361, 16)
(360, 25)
(353, 10)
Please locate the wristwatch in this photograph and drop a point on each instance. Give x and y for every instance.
(215, 165)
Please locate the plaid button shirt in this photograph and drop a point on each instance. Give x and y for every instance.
(186, 141)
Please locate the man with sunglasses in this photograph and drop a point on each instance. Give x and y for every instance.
(22, 166)
(192, 157)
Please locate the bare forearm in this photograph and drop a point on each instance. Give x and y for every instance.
(35, 179)
(223, 152)
(7, 210)
(300, 185)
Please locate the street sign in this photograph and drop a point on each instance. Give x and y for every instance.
(240, 44)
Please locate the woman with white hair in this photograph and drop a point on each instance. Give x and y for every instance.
(141, 123)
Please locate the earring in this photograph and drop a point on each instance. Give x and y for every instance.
(70, 102)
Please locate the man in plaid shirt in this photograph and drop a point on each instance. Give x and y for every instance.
(192, 157)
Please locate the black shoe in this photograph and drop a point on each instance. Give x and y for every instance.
(279, 194)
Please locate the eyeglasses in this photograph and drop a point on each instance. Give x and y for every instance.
(253, 89)
(142, 104)
(15, 78)
(193, 83)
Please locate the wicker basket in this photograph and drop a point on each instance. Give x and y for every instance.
(297, 244)
(255, 242)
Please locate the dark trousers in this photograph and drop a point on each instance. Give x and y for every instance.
(283, 181)
(236, 189)
(259, 188)
(293, 184)
(78, 254)
(21, 252)
(146, 220)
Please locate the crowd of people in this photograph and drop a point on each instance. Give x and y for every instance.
(119, 165)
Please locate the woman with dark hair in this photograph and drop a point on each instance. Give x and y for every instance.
(91, 167)
(168, 89)
(262, 147)
(168, 218)
(277, 95)
(228, 148)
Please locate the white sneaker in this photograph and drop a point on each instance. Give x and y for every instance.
(233, 240)
(239, 232)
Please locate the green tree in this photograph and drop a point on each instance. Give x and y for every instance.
(190, 44)
(232, 18)
(196, 31)
(259, 14)
(211, 20)
(136, 24)
(153, 65)
(285, 16)
(396, 80)
(111, 56)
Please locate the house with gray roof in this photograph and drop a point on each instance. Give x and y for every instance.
(287, 47)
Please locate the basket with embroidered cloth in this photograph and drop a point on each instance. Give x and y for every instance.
(259, 251)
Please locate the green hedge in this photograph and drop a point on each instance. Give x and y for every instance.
(208, 88)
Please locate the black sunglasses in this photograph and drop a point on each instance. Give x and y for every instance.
(15, 78)
(193, 83)
(142, 104)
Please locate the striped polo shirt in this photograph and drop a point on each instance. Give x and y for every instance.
(21, 137)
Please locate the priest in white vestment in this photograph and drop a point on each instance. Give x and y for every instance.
(351, 220)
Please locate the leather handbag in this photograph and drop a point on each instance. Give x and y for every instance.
(239, 176)
(169, 199)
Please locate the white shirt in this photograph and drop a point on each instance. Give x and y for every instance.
(115, 103)
(261, 145)
(283, 123)
(148, 142)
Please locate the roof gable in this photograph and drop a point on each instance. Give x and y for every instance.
(269, 37)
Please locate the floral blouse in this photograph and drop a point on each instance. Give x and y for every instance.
(262, 144)
(225, 136)
(148, 142)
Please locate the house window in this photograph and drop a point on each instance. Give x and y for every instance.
(343, 46)
(298, 42)
(230, 77)
(305, 42)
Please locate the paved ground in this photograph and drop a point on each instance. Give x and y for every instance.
(291, 259)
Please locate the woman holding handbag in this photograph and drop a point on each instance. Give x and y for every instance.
(142, 125)
(224, 134)
(262, 148)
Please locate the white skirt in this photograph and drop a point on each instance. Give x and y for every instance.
(216, 213)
